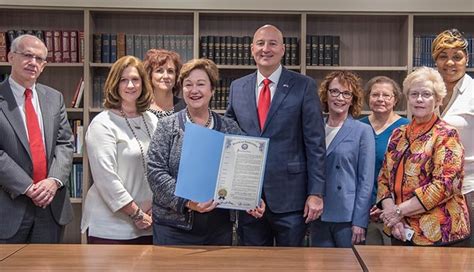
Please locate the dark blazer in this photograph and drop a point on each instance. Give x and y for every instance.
(350, 163)
(15, 161)
(295, 161)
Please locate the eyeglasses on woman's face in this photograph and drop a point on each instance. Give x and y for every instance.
(337, 92)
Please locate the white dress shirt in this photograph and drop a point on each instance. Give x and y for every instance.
(274, 78)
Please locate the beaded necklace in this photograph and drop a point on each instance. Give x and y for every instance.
(136, 138)
(209, 120)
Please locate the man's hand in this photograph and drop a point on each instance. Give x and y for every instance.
(42, 192)
(313, 208)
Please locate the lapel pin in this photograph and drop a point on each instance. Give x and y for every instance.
(285, 85)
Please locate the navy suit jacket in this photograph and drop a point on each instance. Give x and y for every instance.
(350, 163)
(295, 161)
(16, 168)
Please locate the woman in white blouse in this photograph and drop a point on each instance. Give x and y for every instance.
(118, 204)
(450, 53)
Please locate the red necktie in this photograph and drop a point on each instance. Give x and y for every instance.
(38, 155)
(264, 102)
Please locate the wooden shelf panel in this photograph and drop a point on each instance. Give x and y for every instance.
(245, 24)
(53, 65)
(365, 40)
(142, 22)
(434, 24)
(43, 19)
(76, 200)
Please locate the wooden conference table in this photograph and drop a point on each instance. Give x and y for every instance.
(154, 258)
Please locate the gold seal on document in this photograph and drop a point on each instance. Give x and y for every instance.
(222, 193)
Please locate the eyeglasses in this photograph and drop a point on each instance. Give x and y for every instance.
(385, 97)
(425, 95)
(337, 92)
(31, 57)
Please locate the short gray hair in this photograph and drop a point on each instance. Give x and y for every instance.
(14, 47)
(428, 76)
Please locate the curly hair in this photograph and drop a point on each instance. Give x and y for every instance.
(428, 76)
(451, 38)
(155, 58)
(352, 81)
(206, 65)
(111, 88)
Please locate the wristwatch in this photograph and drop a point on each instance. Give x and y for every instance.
(398, 211)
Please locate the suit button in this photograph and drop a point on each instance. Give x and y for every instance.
(339, 187)
(337, 167)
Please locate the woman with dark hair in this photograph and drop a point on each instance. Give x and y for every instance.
(179, 221)
(450, 53)
(118, 205)
(162, 67)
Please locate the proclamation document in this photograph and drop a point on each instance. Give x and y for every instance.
(240, 178)
(223, 167)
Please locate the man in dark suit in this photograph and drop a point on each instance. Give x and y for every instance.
(281, 105)
(36, 147)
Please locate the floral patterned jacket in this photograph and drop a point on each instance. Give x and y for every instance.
(434, 174)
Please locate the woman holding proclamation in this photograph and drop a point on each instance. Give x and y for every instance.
(382, 95)
(422, 175)
(178, 221)
(350, 160)
(162, 67)
(118, 204)
(450, 53)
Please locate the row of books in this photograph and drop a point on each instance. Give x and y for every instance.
(77, 100)
(78, 133)
(75, 180)
(64, 46)
(322, 50)
(219, 99)
(231, 50)
(422, 50)
(108, 47)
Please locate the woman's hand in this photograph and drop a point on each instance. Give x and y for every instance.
(391, 215)
(375, 214)
(398, 231)
(258, 211)
(202, 207)
(358, 235)
(145, 222)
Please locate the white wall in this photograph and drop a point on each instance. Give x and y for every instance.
(443, 6)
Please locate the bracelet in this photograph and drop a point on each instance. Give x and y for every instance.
(137, 216)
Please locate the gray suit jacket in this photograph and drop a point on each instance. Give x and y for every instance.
(350, 163)
(295, 160)
(15, 161)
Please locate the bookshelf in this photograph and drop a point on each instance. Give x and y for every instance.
(371, 44)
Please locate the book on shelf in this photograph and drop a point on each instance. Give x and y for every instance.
(293, 51)
(121, 49)
(76, 92)
(105, 48)
(203, 48)
(65, 46)
(78, 133)
(335, 51)
(82, 46)
(97, 93)
(3, 47)
(74, 46)
(75, 180)
(286, 57)
(57, 46)
(113, 48)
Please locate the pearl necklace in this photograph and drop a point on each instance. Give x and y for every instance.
(209, 120)
(142, 152)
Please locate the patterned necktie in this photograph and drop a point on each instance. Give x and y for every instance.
(38, 154)
(264, 102)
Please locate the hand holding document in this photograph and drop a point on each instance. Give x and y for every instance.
(226, 168)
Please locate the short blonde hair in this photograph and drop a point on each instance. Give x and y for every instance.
(451, 38)
(353, 81)
(206, 65)
(111, 88)
(428, 76)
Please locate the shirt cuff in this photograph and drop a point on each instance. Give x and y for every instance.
(58, 182)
